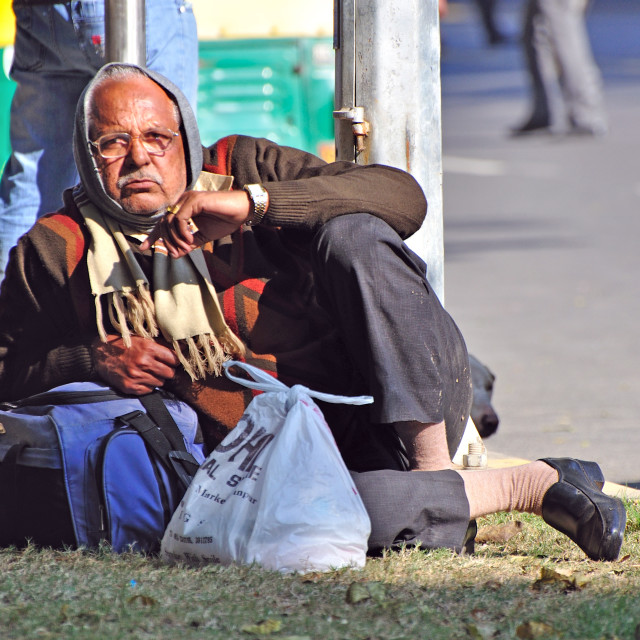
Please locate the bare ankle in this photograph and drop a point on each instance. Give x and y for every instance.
(426, 445)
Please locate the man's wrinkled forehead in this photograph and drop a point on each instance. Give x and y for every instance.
(114, 99)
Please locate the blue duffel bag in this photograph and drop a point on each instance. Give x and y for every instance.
(82, 463)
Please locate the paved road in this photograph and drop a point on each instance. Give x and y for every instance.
(542, 250)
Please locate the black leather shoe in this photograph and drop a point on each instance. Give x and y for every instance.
(591, 470)
(533, 125)
(576, 507)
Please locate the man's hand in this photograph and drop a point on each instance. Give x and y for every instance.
(137, 369)
(216, 214)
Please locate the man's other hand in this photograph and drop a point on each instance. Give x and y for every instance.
(137, 369)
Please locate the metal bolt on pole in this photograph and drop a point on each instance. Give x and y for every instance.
(125, 34)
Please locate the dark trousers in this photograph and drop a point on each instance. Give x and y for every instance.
(404, 347)
(426, 508)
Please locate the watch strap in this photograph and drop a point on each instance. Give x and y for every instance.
(259, 199)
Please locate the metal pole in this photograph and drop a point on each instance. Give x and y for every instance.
(391, 50)
(125, 35)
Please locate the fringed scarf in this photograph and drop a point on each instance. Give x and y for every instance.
(182, 304)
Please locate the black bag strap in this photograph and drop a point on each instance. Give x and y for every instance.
(160, 445)
(159, 430)
(156, 408)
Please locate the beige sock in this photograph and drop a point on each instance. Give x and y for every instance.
(510, 489)
(426, 445)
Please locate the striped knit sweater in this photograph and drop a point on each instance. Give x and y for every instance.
(262, 276)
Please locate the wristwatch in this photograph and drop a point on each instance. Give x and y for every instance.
(260, 199)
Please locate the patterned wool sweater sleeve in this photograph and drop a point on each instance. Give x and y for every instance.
(45, 330)
(305, 192)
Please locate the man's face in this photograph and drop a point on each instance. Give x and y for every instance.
(140, 182)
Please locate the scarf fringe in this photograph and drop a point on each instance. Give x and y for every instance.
(118, 316)
(232, 344)
(129, 314)
(100, 319)
(148, 308)
(206, 354)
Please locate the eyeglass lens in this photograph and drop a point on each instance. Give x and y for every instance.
(116, 145)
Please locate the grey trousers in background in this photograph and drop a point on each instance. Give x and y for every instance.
(558, 52)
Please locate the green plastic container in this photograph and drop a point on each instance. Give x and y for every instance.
(276, 88)
(7, 88)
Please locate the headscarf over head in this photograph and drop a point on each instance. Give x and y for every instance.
(90, 177)
(180, 303)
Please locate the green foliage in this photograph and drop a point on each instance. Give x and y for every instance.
(536, 582)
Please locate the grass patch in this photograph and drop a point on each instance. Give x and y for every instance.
(495, 593)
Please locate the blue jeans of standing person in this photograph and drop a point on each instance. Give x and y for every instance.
(58, 49)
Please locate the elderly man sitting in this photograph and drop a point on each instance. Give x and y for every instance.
(169, 258)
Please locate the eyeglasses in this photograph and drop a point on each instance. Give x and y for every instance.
(118, 144)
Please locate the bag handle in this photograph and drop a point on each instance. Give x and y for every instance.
(265, 382)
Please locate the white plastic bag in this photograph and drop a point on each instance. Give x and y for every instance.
(275, 491)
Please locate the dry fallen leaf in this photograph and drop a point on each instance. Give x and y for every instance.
(377, 591)
(563, 579)
(263, 628)
(64, 609)
(357, 592)
(146, 601)
(313, 576)
(493, 583)
(532, 630)
(499, 532)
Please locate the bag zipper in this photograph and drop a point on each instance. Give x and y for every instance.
(105, 521)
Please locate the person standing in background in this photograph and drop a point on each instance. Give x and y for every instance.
(58, 49)
(557, 49)
(487, 9)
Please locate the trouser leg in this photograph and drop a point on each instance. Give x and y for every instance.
(487, 14)
(538, 56)
(578, 73)
(172, 44)
(403, 344)
(429, 508)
